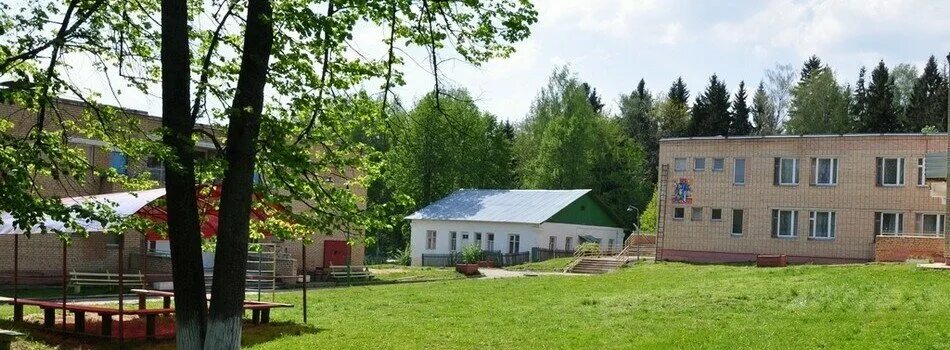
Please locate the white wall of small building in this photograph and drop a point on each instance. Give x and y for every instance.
(530, 235)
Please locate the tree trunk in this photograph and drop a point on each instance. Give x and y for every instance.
(181, 202)
(230, 259)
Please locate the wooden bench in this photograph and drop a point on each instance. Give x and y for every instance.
(260, 311)
(79, 315)
(354, 272)
(79, 279)
(7, 337)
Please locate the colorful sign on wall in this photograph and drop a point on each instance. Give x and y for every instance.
(682, 192)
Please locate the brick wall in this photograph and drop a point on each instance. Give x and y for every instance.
(854, 199)
(903, 248)
(40, 257)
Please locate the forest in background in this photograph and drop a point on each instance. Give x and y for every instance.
(569, 139)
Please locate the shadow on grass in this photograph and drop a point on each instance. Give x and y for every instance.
(38, 337)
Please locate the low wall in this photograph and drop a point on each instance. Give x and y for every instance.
(902, 248)
(724, 257)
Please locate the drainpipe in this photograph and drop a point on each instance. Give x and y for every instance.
(946, 205)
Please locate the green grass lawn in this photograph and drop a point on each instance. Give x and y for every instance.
(412, 273)
(551, 265)
(646, 306)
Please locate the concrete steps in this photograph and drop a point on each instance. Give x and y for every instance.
(597, 265)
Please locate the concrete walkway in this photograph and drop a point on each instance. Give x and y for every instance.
(937, 266)
(502, 273)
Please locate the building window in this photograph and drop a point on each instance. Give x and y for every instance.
(478, 239)
(786, 171)
(889, 223)
(697, 214)
(568, 243)
(930, 224)
(890, 171)
(464, 236)
(784, 223)
(739, 178)
(514, 243)
(119, 162)
(453, 243)
(155, 169)
(610, 244)
(679, 164)
(716, 215)
(921, 171)
(718, 164)
(552, 242)
(737, 221)
(825, 171)
(430, 240)
(491, 242)
(679, 213)
(822, 224)
(699, 164)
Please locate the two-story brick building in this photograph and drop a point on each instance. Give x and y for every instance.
(40, 255)
(814, 198)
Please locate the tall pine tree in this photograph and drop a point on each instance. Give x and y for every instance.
(739, 123)
(928, 100)
(593, 98)
(678, 92)
(858, 110)
(640, 126)
(881, 116)
(763, 113)
(811, 65)
(710, 115)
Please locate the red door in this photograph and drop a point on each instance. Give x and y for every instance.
(335, 253)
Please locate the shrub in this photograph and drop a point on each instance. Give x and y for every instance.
(404, 256)
(589, 248)
(471, 254)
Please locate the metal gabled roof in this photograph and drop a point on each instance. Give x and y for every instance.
(513, 206)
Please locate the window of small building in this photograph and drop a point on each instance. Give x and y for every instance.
(699, 164)
(679, 164)
(430, 239)
(718, 164)
(453, 242)
(514, 243)
(490, 245)
(679, 213)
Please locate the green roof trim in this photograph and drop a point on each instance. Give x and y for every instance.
(586, 210)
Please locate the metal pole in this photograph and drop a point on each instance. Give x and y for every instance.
(303, 258)
(64, 285)
(121, 277)
(946, 179)
(260, 273)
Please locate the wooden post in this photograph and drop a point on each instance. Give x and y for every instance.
(946, 179)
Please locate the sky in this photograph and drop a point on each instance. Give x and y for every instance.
(612, 44)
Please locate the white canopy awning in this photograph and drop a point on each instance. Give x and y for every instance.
(124, 204)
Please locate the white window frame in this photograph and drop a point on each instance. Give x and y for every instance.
(514, 243)
(920, 224)
(898, 224)
(922, 171)
(681, 217)
(830, 223)
(900, 172)
(490, 244)
(478, 239)
(793, 224)
(680, 161)
(431, 239)
(781, 166)
(721, 162)
(552, 242)
(568, 242)
(453, 241)
(832, 177)
(696, 165)
(735, 172)
(741, 221)
(712, 214)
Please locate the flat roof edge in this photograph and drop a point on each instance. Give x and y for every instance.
(758, 137)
